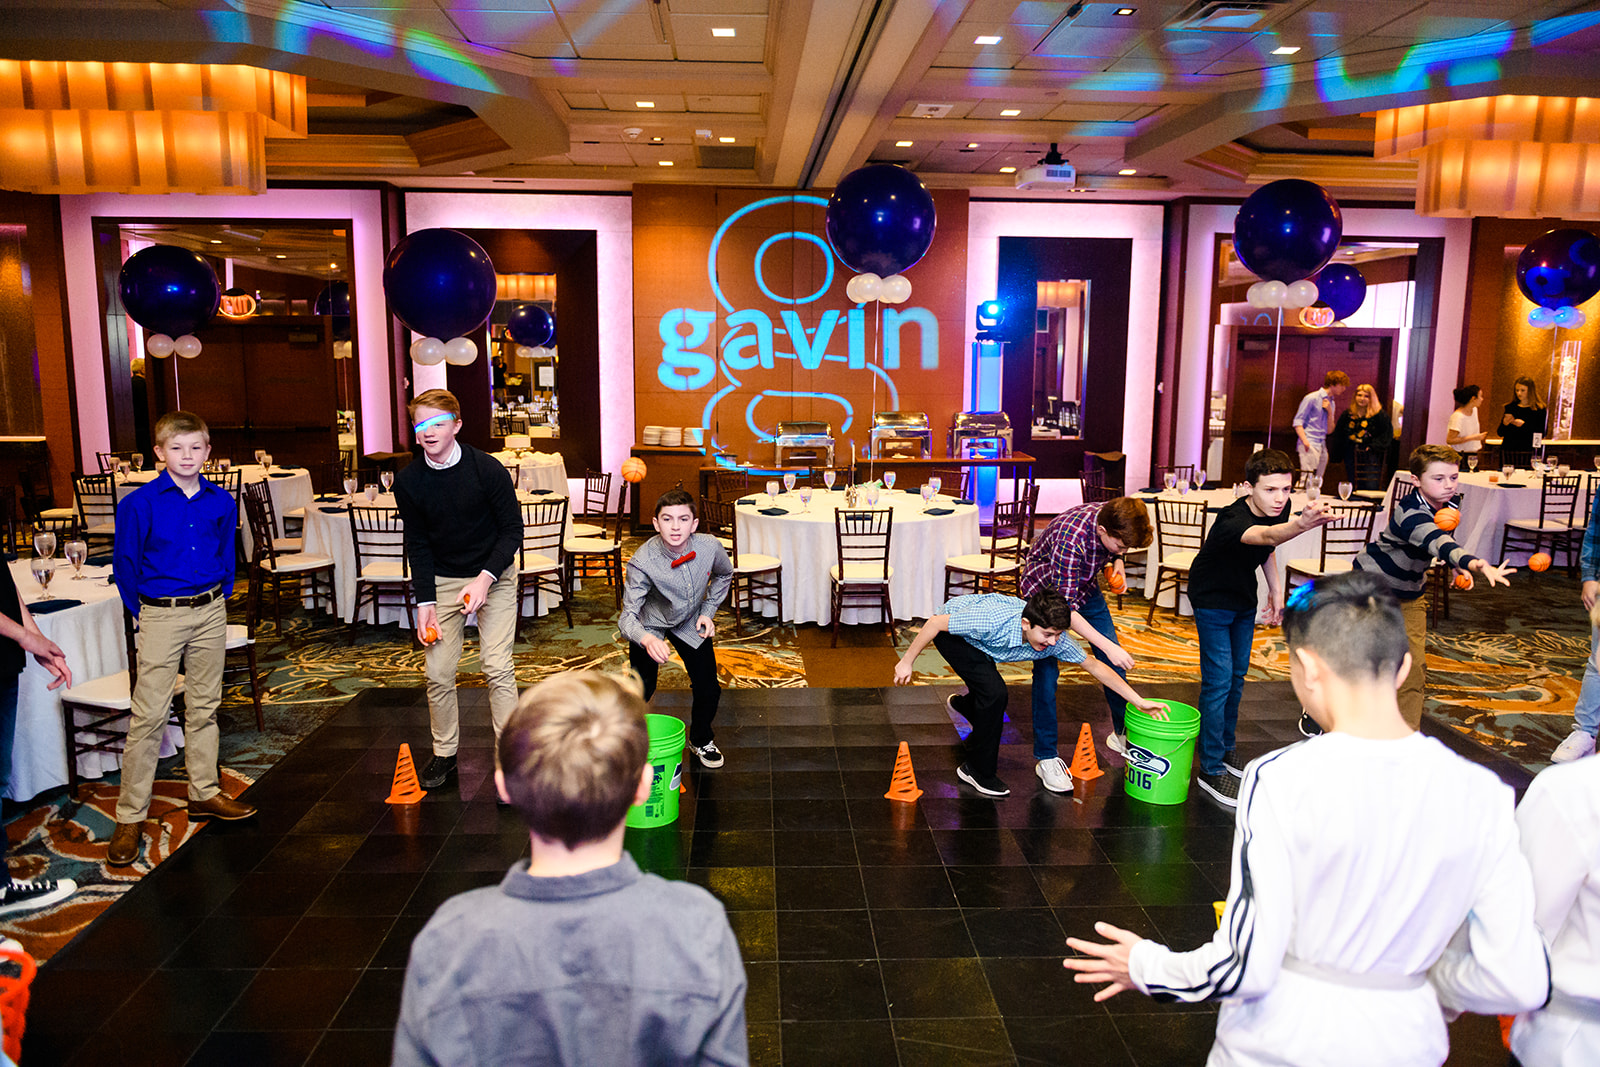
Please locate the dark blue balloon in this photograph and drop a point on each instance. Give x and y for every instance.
(169, 290)
(880, 219)
(1342, 288)
(1560, 269)
(1287, 230)
(334, 300)
(439, 283)
(530, 325)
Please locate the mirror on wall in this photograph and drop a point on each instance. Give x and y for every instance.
(1060, 357)
(524, 378)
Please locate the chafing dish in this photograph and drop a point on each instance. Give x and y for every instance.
(902, 434)
(804, 443)
(983, 429)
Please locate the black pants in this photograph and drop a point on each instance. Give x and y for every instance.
(701, 663)
(985, 703)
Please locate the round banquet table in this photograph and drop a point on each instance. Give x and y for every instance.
(327, 533)
(536, 470)
(918, 546)
(1486, 506)
(91, 636)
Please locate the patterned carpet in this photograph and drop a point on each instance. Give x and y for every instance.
(1503, 670)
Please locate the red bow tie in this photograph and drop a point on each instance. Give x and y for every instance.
(681, 560)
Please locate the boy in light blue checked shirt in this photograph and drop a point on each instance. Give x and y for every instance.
(975, 632)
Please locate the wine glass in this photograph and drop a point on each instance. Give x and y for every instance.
(1170, 480)
(44, 544)
(1182, 485)
(772, 492)
(1345, 489)
(1313, 487)
(1507, 471)
(138, 462)
(1199, 478)
(788, 481)
(888, 476)
(829, 476)
(805, 497)
(225, 464)
(266, 461)
(77, 552)
(122, 470)
(927, 494)
(872, 494)
(260, 453)
(350, 485)
(372, 493)
(936, 482)
(43, 569)
(386, 478)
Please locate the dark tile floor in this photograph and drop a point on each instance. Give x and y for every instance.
(873, 932)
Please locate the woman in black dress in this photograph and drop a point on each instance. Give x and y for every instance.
(1363, 434)
(1524, 417)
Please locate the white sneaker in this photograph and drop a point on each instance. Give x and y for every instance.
(26, 896)
(1118, 743)
(1053, 773)
(710, 755)
(1577, 745)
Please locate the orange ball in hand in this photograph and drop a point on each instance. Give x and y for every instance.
(430, 635)
(633, 469)
(1463, 580)
(1539, 561)
(1447, 518)
(1115, 582)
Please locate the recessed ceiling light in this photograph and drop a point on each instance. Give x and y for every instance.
(657, 140)
(726, 140)
(986, 38)
(663, 162)
(333, 266)
(724, 31)
(904, 144)
(1125, 171)
(644, 103)
(1286, 50)
(280, 256)
(216, 240)
(1008, 170)
(1125, 11)
(972, 144)
(1010, 112)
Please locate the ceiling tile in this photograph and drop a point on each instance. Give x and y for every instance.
(1064, 64)
(429, 19)
(509, 26)
(1073, 40)
(724, 105)
(584, 101)
(718, 7)
(990, 109)
(1340, 19)
(1188, 48)
(1084, 112)
(1146, 15)
(628, 102)
(959, 109)
(1427, 25)
(650, 155)
(691, 34)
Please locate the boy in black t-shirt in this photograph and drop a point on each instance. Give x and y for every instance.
(1222, 589)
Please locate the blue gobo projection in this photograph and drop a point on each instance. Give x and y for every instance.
(753, 340)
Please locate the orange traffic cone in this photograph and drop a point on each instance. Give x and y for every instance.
(1505, 1030)
(1084, 762)
(406, 789)
(903, 786)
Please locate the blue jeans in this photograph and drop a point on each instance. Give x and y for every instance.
(1224, 658)
(1046, 671)
(1586, 715)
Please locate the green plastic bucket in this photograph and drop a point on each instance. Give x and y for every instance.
(667, 737)
(1160, 754)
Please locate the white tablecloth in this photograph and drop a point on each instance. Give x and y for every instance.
(327, 533)
(805, 541)
(1487, 506)
(536, 470)
(91, 636)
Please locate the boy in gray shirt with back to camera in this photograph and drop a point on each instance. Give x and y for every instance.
(577, 957)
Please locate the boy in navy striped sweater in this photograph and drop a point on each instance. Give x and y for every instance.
(1407, 547)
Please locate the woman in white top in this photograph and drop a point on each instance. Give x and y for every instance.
(1462, 434)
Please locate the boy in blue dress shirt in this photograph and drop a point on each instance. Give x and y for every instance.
(174, 568)
(975, 632)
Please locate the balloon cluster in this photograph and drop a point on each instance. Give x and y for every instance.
(1285, 232)
(172, 292)
(1557, 271)
(440, 283)
(880, 222)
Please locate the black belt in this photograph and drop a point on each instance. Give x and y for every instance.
(181, 601)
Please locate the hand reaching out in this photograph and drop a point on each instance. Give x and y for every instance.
(1103, 962)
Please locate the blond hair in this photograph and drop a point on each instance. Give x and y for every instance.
(174, 423)
(440, 399)
(572, 753)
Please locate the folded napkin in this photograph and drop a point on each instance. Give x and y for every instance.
(540, 492)
(746, 500)
(334, 510)
(940, 511)
(962, 500)
(329, 497)
(282, 474)
(100, 559)
(774, 511)
(1151, 489)
(45, 607)
(1513, 485)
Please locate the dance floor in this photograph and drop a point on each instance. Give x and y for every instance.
(873, 932)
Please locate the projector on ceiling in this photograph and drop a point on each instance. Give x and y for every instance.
(1048, 176)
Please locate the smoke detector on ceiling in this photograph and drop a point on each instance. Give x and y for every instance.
(933, 111)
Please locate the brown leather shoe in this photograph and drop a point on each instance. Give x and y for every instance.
(220, 806)
(124, 846)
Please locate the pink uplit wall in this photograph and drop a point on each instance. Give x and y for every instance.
(611, 217)
(988, 221)
(359, 207)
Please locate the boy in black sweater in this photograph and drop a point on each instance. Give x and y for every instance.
(463, 533)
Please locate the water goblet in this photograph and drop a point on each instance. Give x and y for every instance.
(350, 485)
(259, 453)
(1170, 480)
(1199, 478)
(225, 464)
(1345, 489)
(829, 476)
(1552, 463)
(122, 470)
(372, 494)
(44, 544)
(43, 569)
(1472, 462)
(1507, 471)
(772, 492)
(937, 482)
(138, 462)
(927, 494)
(872, 494)
(788, 481)
(888, 477)
(76, 552)
(1182, 485)
(1313, 487)
(266, 461)
(386, 479)
(805, 497)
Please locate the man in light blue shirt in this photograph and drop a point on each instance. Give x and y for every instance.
(1312, 419)
(975, 632)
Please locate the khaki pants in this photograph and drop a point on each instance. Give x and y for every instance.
(198, 637)
(1412, 689)
(497, 629)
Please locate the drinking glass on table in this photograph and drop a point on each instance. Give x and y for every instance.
(350, 485)
(888, 477)
(386, 478)
(260, 453)
(829, 476)
(872, 494)
(1472, 462)
(122, 469)
(772, 492)
(77, 552)
(138, 461)
(1507, 471)
(788, 481)
(805, 497)
(44, 544)
(1313, 487)
(927, 494)
(225, 464)
(1170, 479)
(1199, 478)
(1182, 485)
(1345, 489)
(936, 482)
(43, 569)
(266, 461)
(372, 494)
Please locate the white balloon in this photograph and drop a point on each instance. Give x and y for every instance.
(428, 351)
(896, 289)
(864, 287)
(524, 352)
(1274, 293)
(187, 346)
(1578, 318)
(1302, 294)
(158, 345)
(460, 351)
(1255, 296)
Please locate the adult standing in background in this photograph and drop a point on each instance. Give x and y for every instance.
(1314, 417)
(1524, 417)
(1363, 431)
(1462, 433)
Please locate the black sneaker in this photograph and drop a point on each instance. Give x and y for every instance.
(1232, 764)
(1223, 788)
(26, 896)
(709, 754)
(438, 771)
(989, 785)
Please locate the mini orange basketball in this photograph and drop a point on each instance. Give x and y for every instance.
(1113, 582)
(1447, 518)
(430, 635)
(633, 469)
(1463, 580)
(1539, 561)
